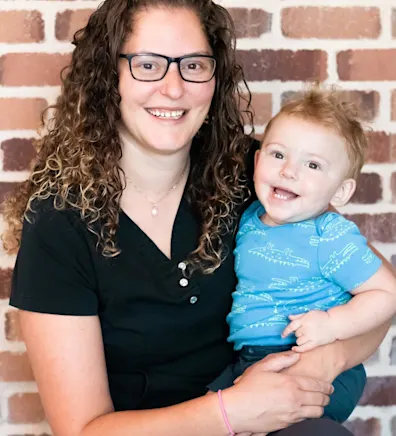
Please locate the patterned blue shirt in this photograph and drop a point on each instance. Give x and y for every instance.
(291, 269)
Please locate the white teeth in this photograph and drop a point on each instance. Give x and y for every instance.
(175, 115)
(280, 197)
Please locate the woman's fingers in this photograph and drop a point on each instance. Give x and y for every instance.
(310, 412)
(277, 362)
(314, 385)
(237, 379)
(314, 399)
(288, 399)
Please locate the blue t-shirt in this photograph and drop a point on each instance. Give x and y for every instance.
(291, 269)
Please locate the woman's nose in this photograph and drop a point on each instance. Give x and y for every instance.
(172, 83)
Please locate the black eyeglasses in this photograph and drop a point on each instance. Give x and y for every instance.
(152, 67)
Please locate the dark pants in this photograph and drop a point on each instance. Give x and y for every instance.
(348, 386)
(314, 427)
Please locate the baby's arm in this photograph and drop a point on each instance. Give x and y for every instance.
(345, 259)
(374, 302)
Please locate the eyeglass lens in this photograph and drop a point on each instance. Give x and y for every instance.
(151, 67)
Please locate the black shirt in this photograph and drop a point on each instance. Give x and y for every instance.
(164, 335)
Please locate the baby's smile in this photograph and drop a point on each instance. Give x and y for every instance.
(283, 194)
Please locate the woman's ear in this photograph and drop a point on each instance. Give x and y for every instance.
(344, 193)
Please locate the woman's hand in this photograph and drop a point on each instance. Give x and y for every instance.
(263, 400)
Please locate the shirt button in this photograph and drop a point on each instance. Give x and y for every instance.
(182, 266)
(183, 282)
(193, 299)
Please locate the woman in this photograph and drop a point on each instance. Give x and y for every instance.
(124, 273)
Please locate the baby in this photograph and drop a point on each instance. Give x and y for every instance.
(306, 276)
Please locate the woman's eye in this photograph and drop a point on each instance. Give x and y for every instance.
(314, 166)
(147, 66)
(192, 66)
(278, 155)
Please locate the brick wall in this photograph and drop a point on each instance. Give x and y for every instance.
(282, 43)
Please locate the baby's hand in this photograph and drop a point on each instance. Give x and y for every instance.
(311, 329)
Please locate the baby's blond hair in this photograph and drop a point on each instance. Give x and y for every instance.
(330, 108)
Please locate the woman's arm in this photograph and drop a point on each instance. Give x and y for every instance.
(328, 361)
(67, 357)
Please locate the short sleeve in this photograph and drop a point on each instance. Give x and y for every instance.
(54, 272)
(344, 256)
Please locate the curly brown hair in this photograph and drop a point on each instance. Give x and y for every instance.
(78, 157)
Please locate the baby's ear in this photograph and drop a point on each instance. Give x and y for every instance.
(344, 193)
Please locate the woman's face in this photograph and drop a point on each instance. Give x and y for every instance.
(151, 111)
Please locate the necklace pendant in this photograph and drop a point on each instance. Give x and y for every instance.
(154, 211)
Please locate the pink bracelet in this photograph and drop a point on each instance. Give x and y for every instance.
(224, 413)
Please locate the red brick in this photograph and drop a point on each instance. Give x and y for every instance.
(21, 26)
(283, 65)
(380, 227)
(394, 23)
(366, 101)
(12, 327)
(331, 23)
(262, 108)
(250, 23)
(380, 147)
(394, 105)
(360, 427)
(18, 154)
(393, 187)
(5, 283)
(379, 391)
(15, 367)
(368, 190)
(392, 148)
(21, 113)
(43, 68)
(25, 408)
(6, 189)
(68, 22)
(373, 64)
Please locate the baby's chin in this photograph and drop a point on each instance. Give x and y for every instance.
(281, 219)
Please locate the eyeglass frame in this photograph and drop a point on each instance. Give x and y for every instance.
(170, 60)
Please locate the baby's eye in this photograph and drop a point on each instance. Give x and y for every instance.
(277, 155)
(314, 166)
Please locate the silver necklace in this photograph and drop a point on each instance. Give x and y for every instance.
(154, 204)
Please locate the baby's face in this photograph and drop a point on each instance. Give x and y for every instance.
(299, 169)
